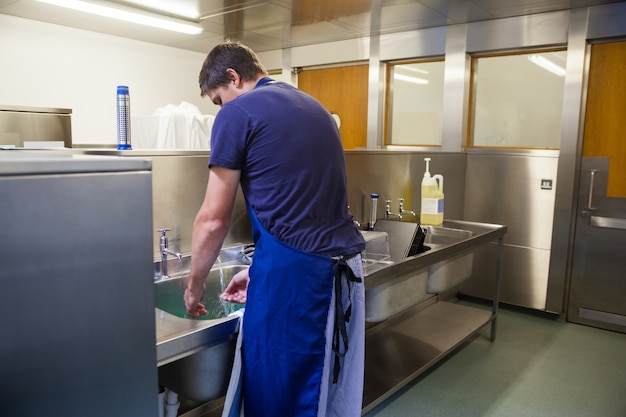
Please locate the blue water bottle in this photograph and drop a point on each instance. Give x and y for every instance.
(123, 118)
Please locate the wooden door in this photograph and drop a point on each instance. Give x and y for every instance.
(342, 90)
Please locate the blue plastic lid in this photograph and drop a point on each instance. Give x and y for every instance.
(122, 89)
(374, 195)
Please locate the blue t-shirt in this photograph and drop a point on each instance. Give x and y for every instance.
(289, 152)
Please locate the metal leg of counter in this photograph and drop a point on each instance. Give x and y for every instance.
(496, 295)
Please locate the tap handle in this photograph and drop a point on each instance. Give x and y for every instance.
(163, 241)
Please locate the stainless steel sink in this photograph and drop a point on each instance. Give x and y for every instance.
(439, 235)
(446, 274)
(169, 293)
(196, 355)
(406, 287)
(395, 296)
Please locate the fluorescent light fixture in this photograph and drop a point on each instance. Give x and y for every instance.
(142, 18)
(408, 79)
(547, 65)
(182, 8)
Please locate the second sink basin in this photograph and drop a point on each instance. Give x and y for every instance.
(405, 286)
(446, 274)
(439, 235)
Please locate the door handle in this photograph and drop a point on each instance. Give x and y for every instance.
(608, 222)
(591, 183)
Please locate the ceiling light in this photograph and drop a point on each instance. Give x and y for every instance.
(142, 18)
(547, 65)
(186, 9)
(409, 79)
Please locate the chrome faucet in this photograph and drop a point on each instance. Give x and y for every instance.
(165, 251)
(356, 223)
(388, 212)
(403, 211)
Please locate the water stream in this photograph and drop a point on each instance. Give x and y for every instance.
(226, 306)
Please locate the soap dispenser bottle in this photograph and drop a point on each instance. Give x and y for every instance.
(432, 198)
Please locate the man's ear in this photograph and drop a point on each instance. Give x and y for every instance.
(233, 76)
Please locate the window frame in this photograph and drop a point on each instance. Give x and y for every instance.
(389, 96)
(472, 91)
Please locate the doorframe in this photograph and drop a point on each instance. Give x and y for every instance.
(568, 172)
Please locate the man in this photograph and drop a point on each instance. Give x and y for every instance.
(303, 328)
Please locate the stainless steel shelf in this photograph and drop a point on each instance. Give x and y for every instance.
(400, 349)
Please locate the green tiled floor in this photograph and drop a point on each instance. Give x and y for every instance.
(539, 366)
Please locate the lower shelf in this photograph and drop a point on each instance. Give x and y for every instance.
(401, 348)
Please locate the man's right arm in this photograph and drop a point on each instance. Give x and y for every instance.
(209, 231)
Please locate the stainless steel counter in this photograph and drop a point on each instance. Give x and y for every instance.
(419, 337)
(177, 338)
(41, 162)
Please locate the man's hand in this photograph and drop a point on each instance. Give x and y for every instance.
(237, 289)
(192, 302)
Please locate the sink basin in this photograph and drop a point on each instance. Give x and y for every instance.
(446, 274)
(169, 293)
(395, 296)
(439, 235)
(203, 372)
(406, 287)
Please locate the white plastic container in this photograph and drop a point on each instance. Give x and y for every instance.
(432, 198)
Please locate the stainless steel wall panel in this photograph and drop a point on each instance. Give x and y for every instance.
(456, 89)
(512, 188)
(394, 174)
(179, 180)
(507, 189)
(19, 124)
(607, 21)
(328, 53)
(518, 32)
(413, 44)
(375, 93)
(524, 276)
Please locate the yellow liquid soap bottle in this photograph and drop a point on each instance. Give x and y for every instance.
(432, 198)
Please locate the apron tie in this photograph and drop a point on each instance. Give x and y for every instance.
(340, 333)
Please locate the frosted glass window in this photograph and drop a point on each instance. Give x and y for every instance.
(517, 100)
(415, 103)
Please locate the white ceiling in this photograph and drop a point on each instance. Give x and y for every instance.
(274, 24)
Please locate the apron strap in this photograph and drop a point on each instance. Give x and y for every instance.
(340, 333)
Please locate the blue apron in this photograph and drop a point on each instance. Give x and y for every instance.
(285, 320)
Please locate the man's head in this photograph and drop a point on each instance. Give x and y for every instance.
(225, 63)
